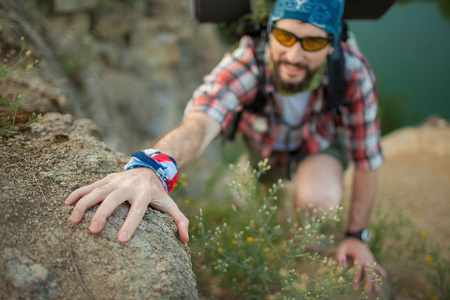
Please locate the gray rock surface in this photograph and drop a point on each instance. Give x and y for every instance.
(43, 255)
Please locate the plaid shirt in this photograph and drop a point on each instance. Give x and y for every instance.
(233, 83)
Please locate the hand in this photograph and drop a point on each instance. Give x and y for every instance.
(360, 254)
(140, 187)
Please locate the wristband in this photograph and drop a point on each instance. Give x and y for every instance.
(163, 165)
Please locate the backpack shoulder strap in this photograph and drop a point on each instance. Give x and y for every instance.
(261, 98)
(337, 83)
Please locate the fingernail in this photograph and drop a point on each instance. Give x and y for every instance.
(94, 226)
(76, 215)
(123, 236)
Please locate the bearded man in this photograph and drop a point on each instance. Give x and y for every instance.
(293, 129)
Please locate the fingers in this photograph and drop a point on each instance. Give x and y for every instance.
(97, 195)
(371, 277)
(78, 193)
(381, 272)
(341, 256)
(368, 281)
(111, 202)
(358, 275)
(132, 221)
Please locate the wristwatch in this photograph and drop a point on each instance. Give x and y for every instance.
(362, 235)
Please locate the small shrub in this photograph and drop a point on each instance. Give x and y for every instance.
(255, 257)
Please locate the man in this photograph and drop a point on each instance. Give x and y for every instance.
(294, 125)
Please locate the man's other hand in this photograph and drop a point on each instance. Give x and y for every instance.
(363, 259)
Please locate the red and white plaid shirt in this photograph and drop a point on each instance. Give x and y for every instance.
(233, 83)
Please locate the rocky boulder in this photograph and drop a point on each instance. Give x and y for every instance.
(43, 255)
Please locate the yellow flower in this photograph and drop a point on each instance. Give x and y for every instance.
(250, 239)
(433, 298)
(220, 249)
(175, 184)
(429, 258)
(233, 242)
(423, 233)
(183, 175)
(187, 201)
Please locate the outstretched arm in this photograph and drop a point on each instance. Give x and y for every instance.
(141, 186)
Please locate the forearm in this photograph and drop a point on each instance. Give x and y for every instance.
(363, 196)
(188, 140)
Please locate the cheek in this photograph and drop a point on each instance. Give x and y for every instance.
(317, 58)
(276, 50)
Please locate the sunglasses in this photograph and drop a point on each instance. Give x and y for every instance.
(308, 43)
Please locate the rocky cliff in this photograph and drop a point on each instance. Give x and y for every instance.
(129, 66)
(125, 65)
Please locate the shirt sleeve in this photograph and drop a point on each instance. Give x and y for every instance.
(360, 115)
(232, 83)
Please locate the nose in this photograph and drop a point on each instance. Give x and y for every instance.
(295, 53)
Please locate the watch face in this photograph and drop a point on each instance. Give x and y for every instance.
(365, 235)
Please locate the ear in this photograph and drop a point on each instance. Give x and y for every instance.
(330, 50)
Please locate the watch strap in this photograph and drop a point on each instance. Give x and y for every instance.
(362, 235)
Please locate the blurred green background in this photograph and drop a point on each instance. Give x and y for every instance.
(409, 50)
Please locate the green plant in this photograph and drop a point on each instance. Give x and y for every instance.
(8, 122)
(23, 60)
(256, 257)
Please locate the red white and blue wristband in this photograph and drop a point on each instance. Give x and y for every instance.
(164, 166)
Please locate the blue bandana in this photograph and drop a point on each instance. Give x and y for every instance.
(325, 14)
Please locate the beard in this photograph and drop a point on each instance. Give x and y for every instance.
(292, 87)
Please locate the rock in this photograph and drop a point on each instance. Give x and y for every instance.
(22, 272)
(432, 137)
(45, 256)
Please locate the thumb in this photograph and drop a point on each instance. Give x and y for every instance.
(341, 255)
(182, 223)
(180, 219)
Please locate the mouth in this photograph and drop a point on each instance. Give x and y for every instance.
(293, 70)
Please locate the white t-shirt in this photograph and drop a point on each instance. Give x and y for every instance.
(293, 108)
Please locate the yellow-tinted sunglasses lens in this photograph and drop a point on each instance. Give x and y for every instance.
(308, 43)
(313, 44)
(284, 37)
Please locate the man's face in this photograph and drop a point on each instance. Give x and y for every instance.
(293, 66)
